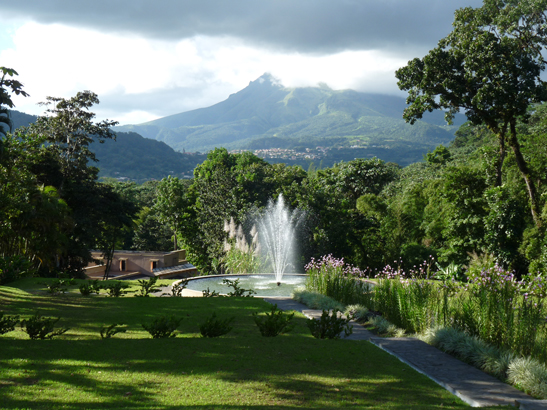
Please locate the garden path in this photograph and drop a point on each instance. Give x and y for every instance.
(461, 379)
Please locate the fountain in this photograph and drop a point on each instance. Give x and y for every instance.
(275, 239)
(277, 229)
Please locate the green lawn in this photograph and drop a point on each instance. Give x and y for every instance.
(78, 370)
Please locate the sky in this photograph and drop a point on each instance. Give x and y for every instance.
(149, 59)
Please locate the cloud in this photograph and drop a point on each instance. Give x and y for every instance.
(147, 59)
(306, 26)
(141, 79)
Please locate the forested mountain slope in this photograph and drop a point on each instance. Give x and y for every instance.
(269, 115)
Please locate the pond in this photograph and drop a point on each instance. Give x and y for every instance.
(262, 284)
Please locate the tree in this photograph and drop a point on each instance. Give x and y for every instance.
(340, 228)
(489, 66)
(116, 214)
(70, 129)
(7, 86)
(171, 204)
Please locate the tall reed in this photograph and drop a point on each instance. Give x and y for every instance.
(334, 278)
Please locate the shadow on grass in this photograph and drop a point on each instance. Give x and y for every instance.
(210, 373)
(241, 370)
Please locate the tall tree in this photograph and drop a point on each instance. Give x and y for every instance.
(171, 204)
(68, 130)
(8, 86)
(489, 66)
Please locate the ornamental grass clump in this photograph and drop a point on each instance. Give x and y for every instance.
(316, 300)
(241, 256)
(334, 278)
(505, 312)
(410, 300)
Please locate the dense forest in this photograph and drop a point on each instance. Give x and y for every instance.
(369, 212)
(481, 198)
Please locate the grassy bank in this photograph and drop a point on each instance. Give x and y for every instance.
(78, 370)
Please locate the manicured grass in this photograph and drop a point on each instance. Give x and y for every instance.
(78, 370)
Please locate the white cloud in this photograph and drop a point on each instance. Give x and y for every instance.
(57, 60)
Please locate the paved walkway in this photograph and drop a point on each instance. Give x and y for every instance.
(465, 381)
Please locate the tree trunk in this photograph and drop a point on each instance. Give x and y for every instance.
(525, 171)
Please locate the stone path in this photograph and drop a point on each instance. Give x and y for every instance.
(465, 381)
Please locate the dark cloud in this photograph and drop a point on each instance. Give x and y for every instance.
(309, 26)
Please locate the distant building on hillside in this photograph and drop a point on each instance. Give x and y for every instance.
(143, 264)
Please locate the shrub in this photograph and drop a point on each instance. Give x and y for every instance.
(385, 327)
(116, 289)
(147, 287)
(529, 375)
(274, 323)
(58, 286)
(13, 268)
(316, 300)
(210, 294)
(38, 327)
(329, 327)
(214, 327)
(357, 312)
(8, 323)
(162, 327)
(238, 291)
(177, 288)
(108, 331)
(87, 289)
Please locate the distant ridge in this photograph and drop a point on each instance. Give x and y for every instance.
(267, 114)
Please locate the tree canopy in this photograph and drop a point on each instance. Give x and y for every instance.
(490, 67)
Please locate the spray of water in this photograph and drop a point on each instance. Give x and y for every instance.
(277, 232)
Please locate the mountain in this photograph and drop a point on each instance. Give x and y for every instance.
(132, 156)
(137, 158)
(267, 115)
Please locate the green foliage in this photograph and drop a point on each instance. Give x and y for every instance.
(490, 66)
(274, 323)
(439, 156)
(385, 327)
(171, 204)
(177, 288)
(7, 323)
(162, 327)
(329, 327)
(214, 327)
(8, 86)
(333, 278)
(58, 286)
(147, 287)
(39, 327)
(13, 268)
(210, 294)
(116, 289)
(87, 288)
(357, 312)
(133, 156)
(108, 331)
(238, 291)
(316, 300)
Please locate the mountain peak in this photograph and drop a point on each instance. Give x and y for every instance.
(267, 79)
